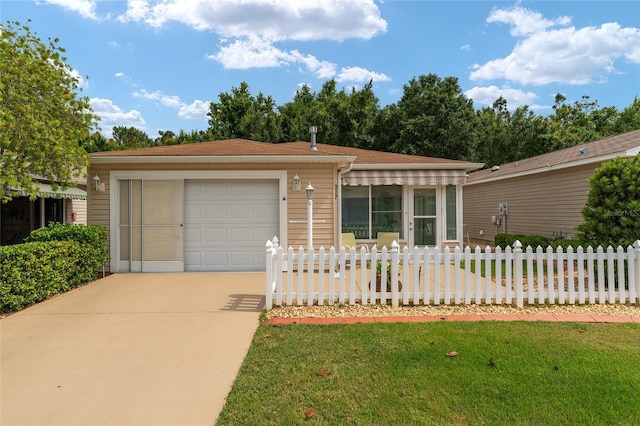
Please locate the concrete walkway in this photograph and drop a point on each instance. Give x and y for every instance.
(130, 349)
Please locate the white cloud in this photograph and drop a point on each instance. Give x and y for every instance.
(488, 95)
(111, 115)
(525, 21)
(563, 55)
(86, 8)
(270, 19)
(196, 110)
(166, 100)
(465, 47)
(255, 52)
(357, 74)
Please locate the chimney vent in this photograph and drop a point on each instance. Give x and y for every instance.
(313, 130)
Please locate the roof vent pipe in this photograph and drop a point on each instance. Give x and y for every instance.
(313, 130)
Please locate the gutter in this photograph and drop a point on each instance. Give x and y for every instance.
(223, 159)
(420, 166)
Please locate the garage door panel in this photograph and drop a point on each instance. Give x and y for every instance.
(213, 259)
(241, 234)
(214, 212)
(233, 219)
(213, 236)
(241, 212)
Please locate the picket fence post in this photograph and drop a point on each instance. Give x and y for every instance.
(268, 303)
(635, 272)
(517, 250)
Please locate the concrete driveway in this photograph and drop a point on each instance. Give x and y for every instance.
(129, 349)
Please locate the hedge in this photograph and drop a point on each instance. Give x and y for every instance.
(504, 240)
(53, 260)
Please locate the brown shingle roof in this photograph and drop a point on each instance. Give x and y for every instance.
(364, 156)
(229, 147)
(592, 152)
(244, 147)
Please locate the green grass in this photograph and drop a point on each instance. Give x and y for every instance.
(396, 374)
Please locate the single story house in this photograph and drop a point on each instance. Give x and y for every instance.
(21, 215)
(212, 206)
(543, 195)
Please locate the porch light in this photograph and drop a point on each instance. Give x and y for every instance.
(309, 190)
(297, 183)
(97, 184)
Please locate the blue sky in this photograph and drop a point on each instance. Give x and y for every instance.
(156, 65)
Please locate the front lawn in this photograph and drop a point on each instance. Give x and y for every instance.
(504, 373)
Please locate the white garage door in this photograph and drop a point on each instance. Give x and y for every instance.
(227, 224)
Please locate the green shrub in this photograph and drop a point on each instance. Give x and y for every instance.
(55, 259)
(564, 243)
(504, 240)
(612, 213)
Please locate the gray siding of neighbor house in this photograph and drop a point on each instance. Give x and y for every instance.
(539, 204)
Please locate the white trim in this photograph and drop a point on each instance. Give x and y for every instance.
(115, 175)
(420, 166)
(222, 159)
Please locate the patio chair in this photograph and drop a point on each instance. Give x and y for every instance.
(349, 241)
(385, 239)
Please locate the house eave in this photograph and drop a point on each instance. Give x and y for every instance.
(553, 167)
(420, 166)
(341, 160)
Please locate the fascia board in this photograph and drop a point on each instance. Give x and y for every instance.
(224, 159)
(420, 166)
(562, 166)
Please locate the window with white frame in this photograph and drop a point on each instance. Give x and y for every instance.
(369, 209)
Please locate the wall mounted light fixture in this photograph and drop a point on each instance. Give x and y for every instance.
(297, 183)
(99, 186)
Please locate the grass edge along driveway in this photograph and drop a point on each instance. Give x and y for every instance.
(495, 373)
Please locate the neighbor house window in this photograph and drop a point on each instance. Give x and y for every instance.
(367, 210)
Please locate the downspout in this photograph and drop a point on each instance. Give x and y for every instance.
(339, 193)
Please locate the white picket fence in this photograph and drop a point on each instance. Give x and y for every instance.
(430, 275)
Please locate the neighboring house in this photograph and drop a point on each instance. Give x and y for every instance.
(212, 206)
(20, 216)
(545, 194)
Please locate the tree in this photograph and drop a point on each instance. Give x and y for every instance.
(629, 119)
(97, 142)
(437, 120)
(612, 213)
(42, 117)
(241, 115)
(130, 137)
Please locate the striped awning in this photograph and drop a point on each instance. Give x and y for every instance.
(404, 177)
(46, 191)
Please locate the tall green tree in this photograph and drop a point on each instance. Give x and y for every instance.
(241, 115)
(629, 118)
(42, 116)
(130, 137)
(436, 119)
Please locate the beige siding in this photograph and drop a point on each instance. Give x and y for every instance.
(80, 208)
(539, 204)
(323, 178)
